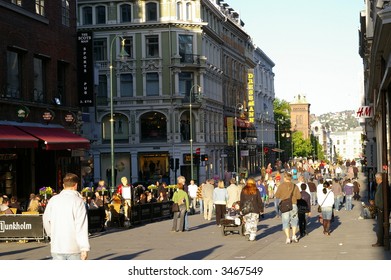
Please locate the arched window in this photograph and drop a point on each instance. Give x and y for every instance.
(126, 13)
(151, 11)
(121, 128)
(179, 10)
(153, 127)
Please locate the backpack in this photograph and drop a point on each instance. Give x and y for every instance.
(302, 206)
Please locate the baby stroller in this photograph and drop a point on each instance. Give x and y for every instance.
(233, 221)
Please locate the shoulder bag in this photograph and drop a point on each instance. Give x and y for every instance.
(286, 204)
(320, 206)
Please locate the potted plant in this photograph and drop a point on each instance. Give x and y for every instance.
(87, 192)
(46, 192)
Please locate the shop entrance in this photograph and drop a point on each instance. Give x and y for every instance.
(154, 167)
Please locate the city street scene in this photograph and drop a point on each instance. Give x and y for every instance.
(195, 130)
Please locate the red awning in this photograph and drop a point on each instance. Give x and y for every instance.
(11, 137)
(57, 138)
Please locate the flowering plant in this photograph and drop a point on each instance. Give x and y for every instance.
(152, 187)
(101, 188)
(45, 190)
(171, 187)
(86, 189)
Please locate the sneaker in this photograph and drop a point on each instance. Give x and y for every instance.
(294, 239)
(288, 241)
(360, 218)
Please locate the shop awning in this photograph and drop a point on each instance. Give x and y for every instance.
(57, 138)
(11, 137)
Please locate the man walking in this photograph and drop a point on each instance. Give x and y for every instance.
(380, 213)
(65, 222)
(207, 195)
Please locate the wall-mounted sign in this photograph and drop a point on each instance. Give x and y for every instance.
(85, 68)
(70, 118)
(22, 113)
(48, 115)
(364, 112)
(250, 95)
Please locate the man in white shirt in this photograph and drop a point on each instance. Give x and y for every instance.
(65, 221)
(192, 191)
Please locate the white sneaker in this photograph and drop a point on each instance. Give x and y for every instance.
(288, 241)
(360, 218)
(294, 239)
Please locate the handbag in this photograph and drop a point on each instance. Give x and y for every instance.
(286, 204)
(320, 206)
(248, 206)
(175, 207)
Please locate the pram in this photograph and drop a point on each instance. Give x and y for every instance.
(233, 221)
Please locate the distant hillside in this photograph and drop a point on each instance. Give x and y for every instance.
(340, 121)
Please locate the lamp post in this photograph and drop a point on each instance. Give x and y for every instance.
(278, 137)
(123, 53)
(236, 141)
(191, 127)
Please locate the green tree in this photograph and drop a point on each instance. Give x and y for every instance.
(283, 127)
(301, 147)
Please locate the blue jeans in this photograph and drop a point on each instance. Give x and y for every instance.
(187, 220)
(72, 257)
(348, 202)
(337, 201)
(201, 206)
(290, 218)
(276, 206)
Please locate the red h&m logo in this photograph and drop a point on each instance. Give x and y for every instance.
(364, 112)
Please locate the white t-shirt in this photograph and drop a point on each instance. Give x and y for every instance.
(192, 189)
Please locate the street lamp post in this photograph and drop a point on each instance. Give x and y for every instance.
(191, 127)
(278, 137)
(122, 54)
(236, 142)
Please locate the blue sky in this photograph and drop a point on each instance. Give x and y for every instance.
(314, 45)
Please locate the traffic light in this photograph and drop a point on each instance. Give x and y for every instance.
(176, 163)
(204, 157)
(171, 163)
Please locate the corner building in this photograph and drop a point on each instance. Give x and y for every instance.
(181, 57)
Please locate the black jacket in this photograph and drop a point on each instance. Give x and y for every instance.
(256, 201)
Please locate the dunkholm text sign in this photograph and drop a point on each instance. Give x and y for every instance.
(21, 226)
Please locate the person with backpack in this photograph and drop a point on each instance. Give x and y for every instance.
(304, 209)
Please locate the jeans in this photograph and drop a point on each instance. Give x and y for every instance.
(72, 257)
(201, 206)
(290, 218)
(187, 220)
(277, 207)
(313, 198)
(348, 202)
(337, 202)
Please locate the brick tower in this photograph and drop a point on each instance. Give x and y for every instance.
(300, 115)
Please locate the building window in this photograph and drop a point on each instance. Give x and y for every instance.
(100, 14)
(129, 46)
(126, 13)
(152, 84)
(61, 80)
(102, 87)
(185, 83)
(151, 11)
(152, 46)
(121, 129)
(40, 7)
(65, 12)
(179, 10)
(186, 48)
(39, 82)
(87, 15)
(13, 74)
(153, 127)
(126, 85)
(100, 47)
(188, 11)
(17, 2)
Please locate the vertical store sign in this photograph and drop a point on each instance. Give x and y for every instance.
(250, 94)
(85, 69)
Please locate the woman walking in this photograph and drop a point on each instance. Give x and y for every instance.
(326, 200)
(180, 197)
(220, 197)
(251, 206)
